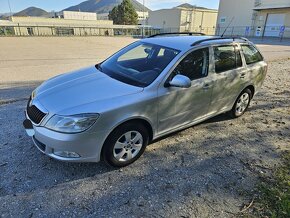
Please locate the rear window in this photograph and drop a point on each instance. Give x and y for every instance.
(227, 58)
(252, 55)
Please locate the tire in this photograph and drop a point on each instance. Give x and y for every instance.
(125, 144)
(242, 103)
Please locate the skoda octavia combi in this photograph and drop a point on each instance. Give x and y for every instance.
(153, 87)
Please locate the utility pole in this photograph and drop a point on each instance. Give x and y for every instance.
(9, 8)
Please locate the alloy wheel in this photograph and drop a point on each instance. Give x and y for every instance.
(128, 146)
(242, 103)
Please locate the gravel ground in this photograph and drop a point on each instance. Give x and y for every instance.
(204, 171)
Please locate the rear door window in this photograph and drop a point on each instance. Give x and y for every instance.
(252, 55)
(227, 57)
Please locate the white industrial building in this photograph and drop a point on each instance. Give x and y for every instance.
(76, 15)
(184, 19)
(142, 17)
(37, 26)
(258, 18)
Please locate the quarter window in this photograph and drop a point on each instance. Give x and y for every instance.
(195, 65)
(227, 58)
(252, 55)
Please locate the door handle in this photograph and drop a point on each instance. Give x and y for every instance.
(243, 75)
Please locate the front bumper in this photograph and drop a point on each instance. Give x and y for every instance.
(87, 145)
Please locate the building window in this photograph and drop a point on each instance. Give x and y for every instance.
(223, 19)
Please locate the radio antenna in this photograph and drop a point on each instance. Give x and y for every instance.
(227, 27)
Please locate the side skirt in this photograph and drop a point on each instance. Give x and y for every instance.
(200, 120)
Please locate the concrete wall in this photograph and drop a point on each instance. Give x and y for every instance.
(26, 26)
(199, 21)
(55, 21)
(184, 20)
(251, 13)
(240, 11)
(75, 15)
(167, 19)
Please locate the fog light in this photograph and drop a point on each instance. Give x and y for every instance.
(67, 154)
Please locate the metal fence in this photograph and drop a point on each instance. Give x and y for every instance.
(28, 30)
(205, 30)
(278, 32)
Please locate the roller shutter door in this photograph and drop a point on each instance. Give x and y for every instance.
(273, 24)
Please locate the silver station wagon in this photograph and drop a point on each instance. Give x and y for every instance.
(153, 87)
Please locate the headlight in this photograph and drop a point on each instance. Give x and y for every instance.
(71, 124)
(33, 94)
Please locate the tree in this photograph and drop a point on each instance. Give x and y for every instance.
(124, 14)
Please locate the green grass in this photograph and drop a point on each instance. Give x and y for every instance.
(274, 193)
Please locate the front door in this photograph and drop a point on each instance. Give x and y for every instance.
(181, 106)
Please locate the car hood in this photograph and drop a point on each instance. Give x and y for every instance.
(79, 88)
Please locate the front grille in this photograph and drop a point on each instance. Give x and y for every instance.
(34, 113)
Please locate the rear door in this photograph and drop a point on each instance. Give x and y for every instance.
(229, 78)
(256, 66)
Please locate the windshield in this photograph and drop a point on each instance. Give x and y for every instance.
(139, 64)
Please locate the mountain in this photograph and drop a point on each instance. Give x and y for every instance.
(4, 16)
(103, 6)
(32, 12)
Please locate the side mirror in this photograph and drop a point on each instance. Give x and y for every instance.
(180, 81)
(148, 51)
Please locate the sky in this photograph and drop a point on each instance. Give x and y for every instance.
(57, 5)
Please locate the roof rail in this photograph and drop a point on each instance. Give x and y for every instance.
(218, 38)
(178, 33)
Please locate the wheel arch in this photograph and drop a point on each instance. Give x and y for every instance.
(143, 121)
(252, 88)
(147, 124)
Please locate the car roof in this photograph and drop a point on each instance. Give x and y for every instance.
(184, 43)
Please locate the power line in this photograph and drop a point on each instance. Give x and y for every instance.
(9, 7)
